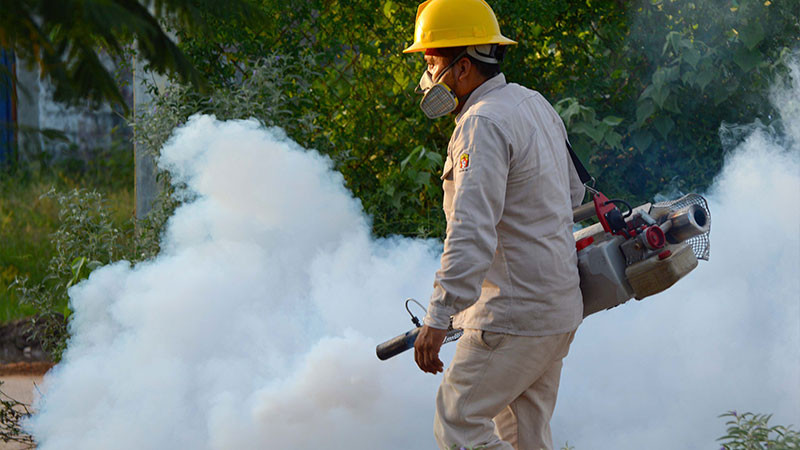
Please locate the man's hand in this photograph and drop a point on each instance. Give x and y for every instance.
(426, 349)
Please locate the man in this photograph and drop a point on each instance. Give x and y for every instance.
(509, 273)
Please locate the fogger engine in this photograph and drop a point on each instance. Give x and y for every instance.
(634, 254)
(639, 253)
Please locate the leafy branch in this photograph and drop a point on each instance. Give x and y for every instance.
(12, 413)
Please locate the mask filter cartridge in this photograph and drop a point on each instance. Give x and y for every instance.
(438, 101)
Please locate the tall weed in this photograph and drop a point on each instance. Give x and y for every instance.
(85, 239)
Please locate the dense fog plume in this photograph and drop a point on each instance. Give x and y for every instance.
(255, 327)
(656, 374)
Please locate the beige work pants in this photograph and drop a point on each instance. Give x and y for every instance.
(500, 391)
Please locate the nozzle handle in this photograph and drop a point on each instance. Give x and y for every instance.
(397, 345)
(583, 212)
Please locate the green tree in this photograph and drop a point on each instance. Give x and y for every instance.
(361, 98)
(643, 87)
(695, 75)
(65, 39)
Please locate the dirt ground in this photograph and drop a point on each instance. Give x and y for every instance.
(18, 342)
(22, 360)
(22, 366)
(20, 382)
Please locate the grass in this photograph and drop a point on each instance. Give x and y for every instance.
(28, 217)
(26, 220)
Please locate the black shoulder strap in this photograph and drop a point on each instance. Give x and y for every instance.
(582, 172)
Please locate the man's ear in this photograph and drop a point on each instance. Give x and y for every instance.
(465, 64)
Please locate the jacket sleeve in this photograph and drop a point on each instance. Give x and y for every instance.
(480, 152)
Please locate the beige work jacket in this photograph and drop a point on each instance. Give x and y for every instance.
(509, 262)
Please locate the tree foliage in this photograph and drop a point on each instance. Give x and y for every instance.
(67, 39)
(696, 74)
(642, 86)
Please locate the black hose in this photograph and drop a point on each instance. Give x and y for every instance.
(627, 205)
(415, 319)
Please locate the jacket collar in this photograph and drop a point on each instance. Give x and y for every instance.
(491, 84)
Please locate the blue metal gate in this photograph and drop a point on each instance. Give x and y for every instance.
(8, 110)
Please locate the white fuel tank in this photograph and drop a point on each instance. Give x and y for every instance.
(602, 269)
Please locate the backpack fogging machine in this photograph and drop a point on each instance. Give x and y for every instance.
(632, 254)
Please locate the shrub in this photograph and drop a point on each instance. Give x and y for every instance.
(86, 238)
(748, 431)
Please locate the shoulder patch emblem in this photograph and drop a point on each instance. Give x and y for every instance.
(463, 162)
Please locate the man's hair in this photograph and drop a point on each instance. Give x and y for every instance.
(485, 69)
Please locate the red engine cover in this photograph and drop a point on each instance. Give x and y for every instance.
(602, 207)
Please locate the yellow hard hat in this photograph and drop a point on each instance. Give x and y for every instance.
(455, 23)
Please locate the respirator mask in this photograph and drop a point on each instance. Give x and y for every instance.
(437, 98)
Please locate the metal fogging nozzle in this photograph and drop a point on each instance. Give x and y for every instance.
(685, 224)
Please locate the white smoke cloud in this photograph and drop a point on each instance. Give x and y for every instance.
(256, 326)
(657, 374)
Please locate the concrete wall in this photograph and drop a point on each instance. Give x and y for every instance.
(28, 109)
(147, 187)
(85, 127)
